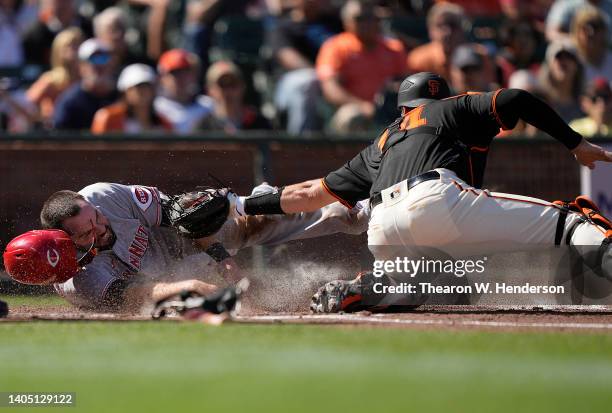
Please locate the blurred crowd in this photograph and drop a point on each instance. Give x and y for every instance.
(301, 66)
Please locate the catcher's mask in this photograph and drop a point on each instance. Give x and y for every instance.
(42, 257)
(422, 88)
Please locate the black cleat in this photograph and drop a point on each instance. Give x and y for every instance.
(336, 296)
(3, 309)
(221, 302)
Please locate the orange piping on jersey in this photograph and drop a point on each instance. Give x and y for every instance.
(329, 191)
(479, 148)
(494, 104)
(457, 185)
(383, 139)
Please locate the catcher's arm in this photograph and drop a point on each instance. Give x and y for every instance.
(306, 196)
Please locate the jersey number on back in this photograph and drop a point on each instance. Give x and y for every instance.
(413, 119)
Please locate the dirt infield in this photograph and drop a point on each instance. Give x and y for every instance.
(551, 318)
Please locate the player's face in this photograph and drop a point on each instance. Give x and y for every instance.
(89, 226)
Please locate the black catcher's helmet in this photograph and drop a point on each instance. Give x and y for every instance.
(422, 88)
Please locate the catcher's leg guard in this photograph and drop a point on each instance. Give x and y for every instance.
(593, 243)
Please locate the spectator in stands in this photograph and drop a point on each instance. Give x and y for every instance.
(179, 100)
(470, 70)
(12, 51)
(64, 73)
(562, 12)
(201, 16)
(597, 105)
(446, 24)
(134, 112)
(519, 41)
(110, 27)
(76, 107)
(590, 34)
(226, 86)
(532, 11)
(561, 78)
(353, 66)
(295, 43)
(55, 16)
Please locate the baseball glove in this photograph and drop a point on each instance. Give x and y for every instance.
(197, 214)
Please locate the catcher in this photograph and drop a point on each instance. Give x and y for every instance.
(131, 241)
(424, 174)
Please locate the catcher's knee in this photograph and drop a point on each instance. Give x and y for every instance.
(597, 258)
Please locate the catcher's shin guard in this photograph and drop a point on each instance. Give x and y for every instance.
(596, 257)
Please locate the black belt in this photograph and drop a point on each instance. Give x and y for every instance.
(411, 183)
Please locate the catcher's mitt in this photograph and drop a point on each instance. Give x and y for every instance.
(197, 214)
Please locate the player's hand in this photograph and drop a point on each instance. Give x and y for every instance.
(586, 154)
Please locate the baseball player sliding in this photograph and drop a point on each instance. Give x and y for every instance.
(131, 241)
(423, 176)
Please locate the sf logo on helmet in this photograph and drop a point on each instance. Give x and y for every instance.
(434, 87)
(53, 257)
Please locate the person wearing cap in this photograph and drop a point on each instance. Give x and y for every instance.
(226, 87)
(561, 77)
(179, 98)
(76, 107)
(469, 70)
(134, 112)
(597, 104)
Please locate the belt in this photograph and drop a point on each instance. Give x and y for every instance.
(411, 183)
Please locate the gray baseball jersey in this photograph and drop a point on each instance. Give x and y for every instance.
(144, 248)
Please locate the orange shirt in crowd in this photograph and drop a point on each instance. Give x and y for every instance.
(44, 92)
(361, 72)
(114, 118)
(429, 58)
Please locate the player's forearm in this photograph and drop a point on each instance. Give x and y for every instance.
(515, 104)
(303, 197)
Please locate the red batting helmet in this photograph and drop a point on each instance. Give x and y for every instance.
(41, 257)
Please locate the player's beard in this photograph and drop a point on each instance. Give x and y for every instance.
(106, 240)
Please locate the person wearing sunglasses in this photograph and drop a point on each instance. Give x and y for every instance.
(75, 108)
(597, 105)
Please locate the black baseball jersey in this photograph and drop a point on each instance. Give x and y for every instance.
(453, 133)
